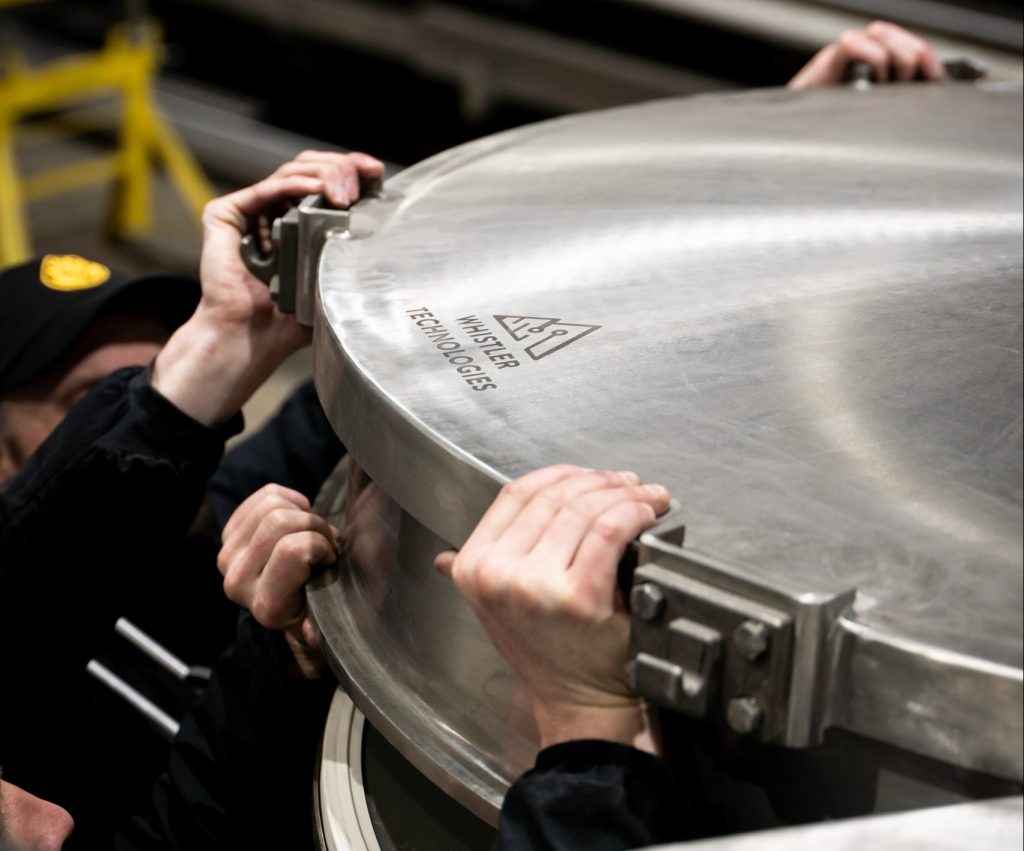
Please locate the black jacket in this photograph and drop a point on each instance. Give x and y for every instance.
(241, 769)
(80, 531)
(593, 795)
(95, 527)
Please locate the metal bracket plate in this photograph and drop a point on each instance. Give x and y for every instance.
(297, 238)
(959, 68)
(714, 641)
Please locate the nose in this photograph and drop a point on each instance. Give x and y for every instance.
(55, 826)
(30, 823)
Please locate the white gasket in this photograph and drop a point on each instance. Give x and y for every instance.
(343, 811)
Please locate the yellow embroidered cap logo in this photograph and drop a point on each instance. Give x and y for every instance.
(68, 272)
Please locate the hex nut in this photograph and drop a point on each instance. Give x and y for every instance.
(744, 714)
(751, 640)
(646, 601)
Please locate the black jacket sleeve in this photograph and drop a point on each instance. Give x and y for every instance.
(297, 448)
(83, 529)
(241, 768)
(596, 795)
(122, 474)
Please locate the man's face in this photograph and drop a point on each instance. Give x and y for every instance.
(29, 414)
(28, 823)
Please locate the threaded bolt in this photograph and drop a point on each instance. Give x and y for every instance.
(647, 601)
(744, 714)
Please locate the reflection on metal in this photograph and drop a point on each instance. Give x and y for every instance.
(389, 581)
(993, 825)
(809, 315)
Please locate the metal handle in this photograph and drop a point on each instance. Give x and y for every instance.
(669, 527)
(860, 75)
(289, 267)
(194, 675)
(262, 265)
(135, 698)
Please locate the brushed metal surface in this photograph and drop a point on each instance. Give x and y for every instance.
(809, 311)
(414, 659)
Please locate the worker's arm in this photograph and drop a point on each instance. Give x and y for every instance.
(893, 53)
(236, 337)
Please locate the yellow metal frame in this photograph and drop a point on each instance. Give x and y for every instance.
(125, 66)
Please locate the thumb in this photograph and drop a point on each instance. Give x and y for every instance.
(444, 562)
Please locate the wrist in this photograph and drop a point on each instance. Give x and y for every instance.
(212, 364)
(633, 723)
(197, 369)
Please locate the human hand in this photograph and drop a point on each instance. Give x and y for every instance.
(892, 52)
(236, 337)
(539, 571)
(271, 544)
(228, 287)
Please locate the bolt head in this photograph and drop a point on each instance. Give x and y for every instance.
(751, 640)
(647, 601)
(744, 714)
(630, 673)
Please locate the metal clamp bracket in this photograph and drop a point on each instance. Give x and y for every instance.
(289, 268)
(718, 642)
(860, 75)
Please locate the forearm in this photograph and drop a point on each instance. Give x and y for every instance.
(236, 337)
(213, 364)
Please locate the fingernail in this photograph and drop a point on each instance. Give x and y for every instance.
(352, 187)
(629, 477)
(340, 193)
(657, 491)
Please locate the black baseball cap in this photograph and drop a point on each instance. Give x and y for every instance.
(47, 303)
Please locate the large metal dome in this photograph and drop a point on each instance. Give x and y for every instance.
(799, 312)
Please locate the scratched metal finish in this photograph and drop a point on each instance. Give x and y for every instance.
(800, 312)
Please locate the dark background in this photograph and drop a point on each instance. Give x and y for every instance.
(359, 97)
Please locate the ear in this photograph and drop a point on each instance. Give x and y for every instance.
(8, 463)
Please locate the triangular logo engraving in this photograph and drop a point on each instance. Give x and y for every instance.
(547, 335)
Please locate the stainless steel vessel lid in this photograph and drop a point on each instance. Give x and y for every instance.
(801, 312)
